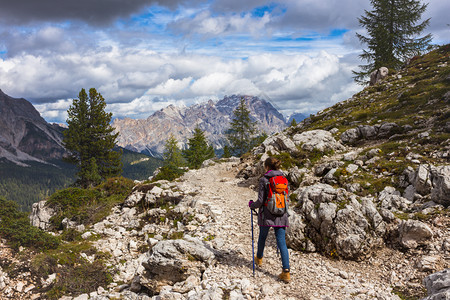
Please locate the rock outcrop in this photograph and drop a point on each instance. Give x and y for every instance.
(368, 132)
(438, 285)
(335, 222)
(378, 75)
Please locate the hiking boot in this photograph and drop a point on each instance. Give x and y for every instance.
(285, 276)
(258, 261)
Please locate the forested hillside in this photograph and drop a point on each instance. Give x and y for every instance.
(27, 185)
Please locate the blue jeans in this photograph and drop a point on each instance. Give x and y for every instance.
(280, 234)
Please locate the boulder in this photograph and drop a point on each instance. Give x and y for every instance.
(413, 233)
(440, 193)
(368, 132)
(338, 222)
(351, 168)
(171, 261)
(378, 75)
(133, 199)
(41, 214)
(280, 142)
(295, 234)
(391, 199)
(321, 140)
(295, 175)
(387, 129)
(350, 136)
(422, 181)
(438, 285)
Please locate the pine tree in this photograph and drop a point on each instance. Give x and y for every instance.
(392, 35)
(293, 123)
(90, 139)
(242, 129)
(172, 154)
(173, 161)
(226, 152)
(198, 149)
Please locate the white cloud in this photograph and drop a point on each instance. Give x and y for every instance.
(211, 83)
(171, 87)
(189, 53)
(138, 82)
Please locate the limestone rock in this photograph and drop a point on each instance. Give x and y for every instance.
(378, 75)
(295, 235)
(336, 221)
(391, 199)
(41, 214)
(280, 142)
(438, 285)
(440, 192)
(368, 132)
(422, 181)
(174, 260)
(414, 233)
(317, 139)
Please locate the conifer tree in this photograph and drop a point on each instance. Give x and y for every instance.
(242, 129)
(226, 152)
(198, 149)
(392, 28)
(173, 161)
(293, 123)
(90, 139)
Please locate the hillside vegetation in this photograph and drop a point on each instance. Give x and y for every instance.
(28, 185)
(415, 98)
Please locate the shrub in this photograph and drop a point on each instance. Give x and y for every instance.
(88, 206)
(116, 186)
(16, 229)
(75, 275)
(169, 173)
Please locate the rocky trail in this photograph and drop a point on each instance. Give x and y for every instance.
(313, 276)
(196, 244)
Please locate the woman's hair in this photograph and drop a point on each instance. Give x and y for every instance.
(272, 163)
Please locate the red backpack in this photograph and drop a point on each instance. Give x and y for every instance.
(277, 199)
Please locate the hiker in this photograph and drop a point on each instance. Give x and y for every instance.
(266, 219)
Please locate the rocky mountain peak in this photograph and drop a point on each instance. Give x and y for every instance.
(24, 134)
(149, 135)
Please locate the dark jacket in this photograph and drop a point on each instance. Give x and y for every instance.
(265, 218)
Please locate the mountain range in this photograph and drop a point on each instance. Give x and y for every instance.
(25, 135)
(31, 150)
(149, 135)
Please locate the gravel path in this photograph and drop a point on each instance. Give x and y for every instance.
(313, 276)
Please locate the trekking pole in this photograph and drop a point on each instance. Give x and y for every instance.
(253, 247)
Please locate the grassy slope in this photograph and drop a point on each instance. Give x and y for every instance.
(414, 96)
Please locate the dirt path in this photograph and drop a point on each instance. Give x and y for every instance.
(313, 276)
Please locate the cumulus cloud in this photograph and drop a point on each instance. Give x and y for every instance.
(206, 25)
(137, 82)
(299, 53)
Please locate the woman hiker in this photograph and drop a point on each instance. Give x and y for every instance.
(266, 220)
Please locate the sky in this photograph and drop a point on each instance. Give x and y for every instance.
(143, 55)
